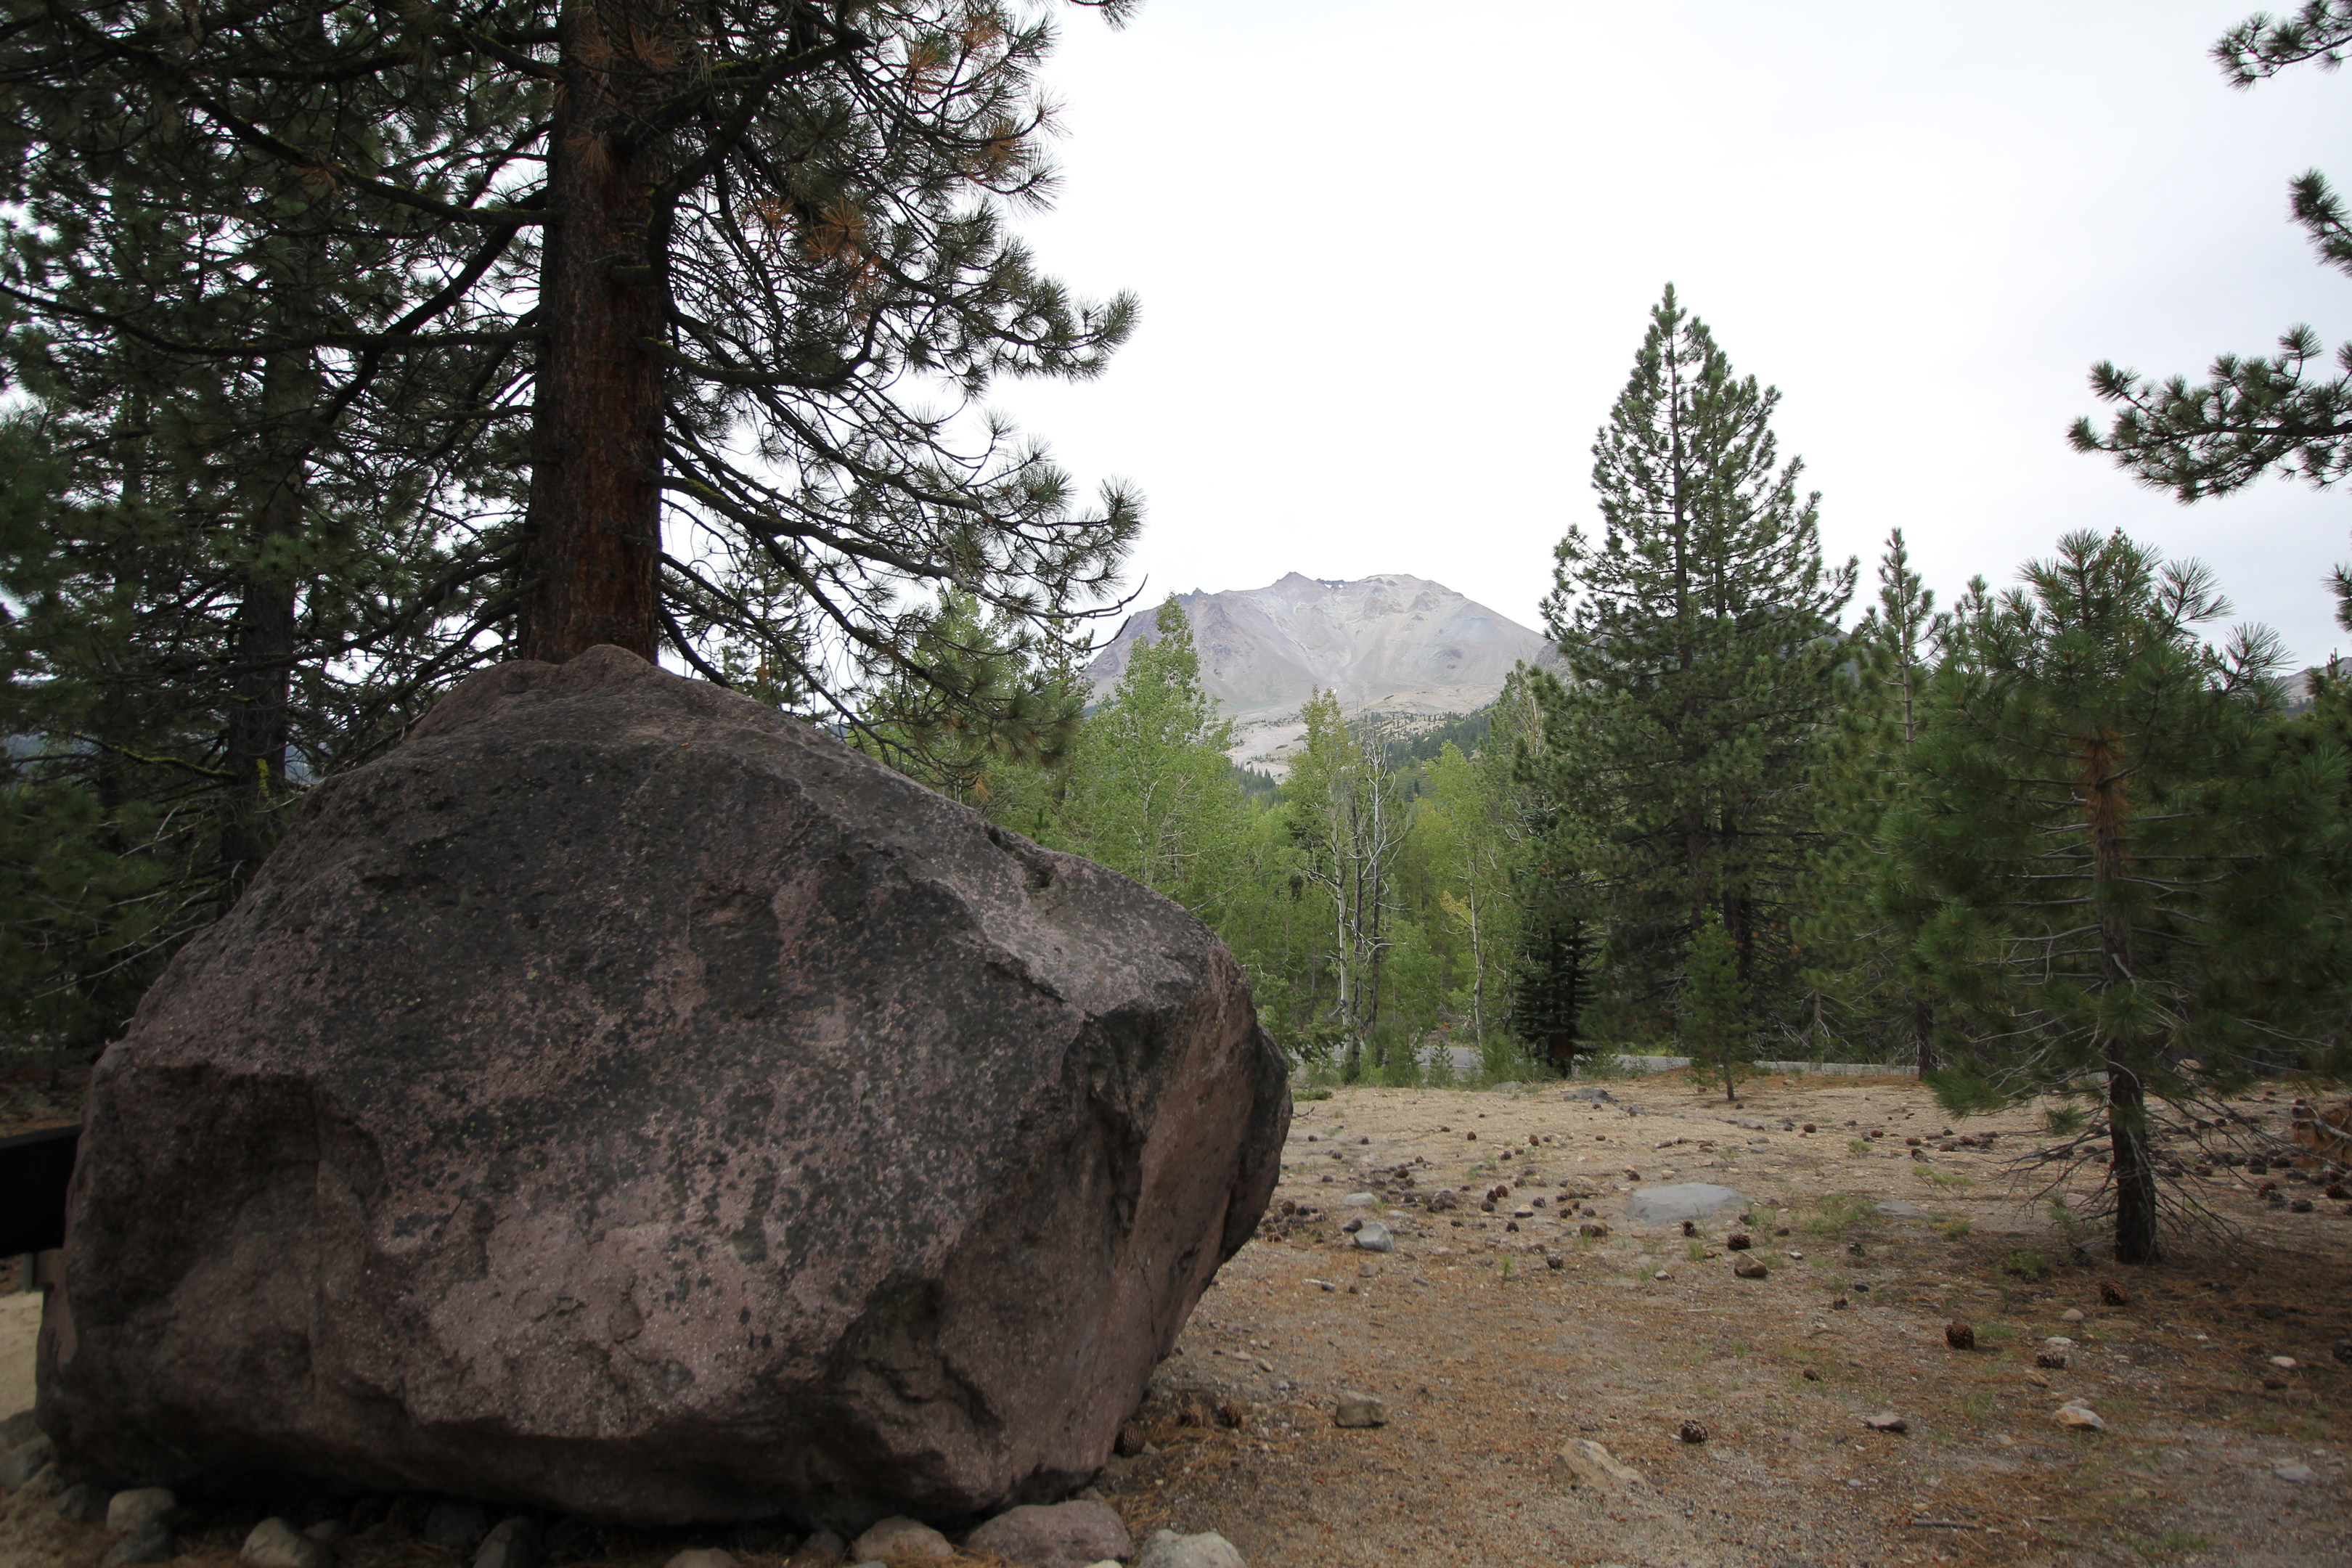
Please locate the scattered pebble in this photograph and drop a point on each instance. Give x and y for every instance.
(150, 1542)
(1064, 1535)
(274, 1543)
(456, 1524)
(1360, 1410)
(140, 1506)
(1208, 1549)
(894, 1538)
(2288, 1470)
(2077, 1413)
(1585, 1463)
(1887, 1421)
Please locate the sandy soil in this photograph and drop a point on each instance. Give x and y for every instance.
(1490, 1359)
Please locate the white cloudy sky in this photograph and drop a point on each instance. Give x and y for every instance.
(1396, 259)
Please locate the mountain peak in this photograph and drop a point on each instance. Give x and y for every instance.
(1389, 643)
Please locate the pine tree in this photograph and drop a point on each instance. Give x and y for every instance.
(1857, 952)
(984, 714)
(1699, 637)
(359, 373)
(2282, 413)
(1717, 1030)
(730, 280)
(2117, 869)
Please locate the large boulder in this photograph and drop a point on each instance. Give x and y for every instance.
(625, 1099)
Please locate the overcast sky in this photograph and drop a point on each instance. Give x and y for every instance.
(1395, 260)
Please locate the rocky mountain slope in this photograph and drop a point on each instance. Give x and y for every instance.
(1388, 644)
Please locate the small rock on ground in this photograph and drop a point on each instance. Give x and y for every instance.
(150, 1542)
(900, 1537)
(2293, 1472)
(1585, 1463)
(512, 1542)
(83, 1503)
(1360, 1410)
(455, 1524)
(2074, 1412)
(1208, 1549)
(1687, 1200)
(140, 1506)
(1375, 1238)
(25, 1459)
(1887, 1421)
(1064, 1535)
(823, 1549)
(274, 1543)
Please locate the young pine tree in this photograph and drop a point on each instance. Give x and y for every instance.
(1699, 632)
(2116, 868)
(1718, 1033)
(1858, 960)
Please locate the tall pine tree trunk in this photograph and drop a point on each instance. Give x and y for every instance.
(262, 635)
(590, 560)
(1923, 1030)
(260, 683)
(2109, 808)
(2135, 1171)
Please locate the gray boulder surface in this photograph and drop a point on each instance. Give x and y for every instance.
(1686, 1200)
(624, 1099)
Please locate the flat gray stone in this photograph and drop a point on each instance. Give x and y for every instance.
(150, 1542)
(1895, 1208)
(1360, 1199)
(1207, 1550)
(1686, 1200)
(899, 1536)
(456, 1525)
(127, 1512)
(274, 1543)
(512, 1542)
(1375, 1238)
(1075, 1534)
(2299, 1474)
(25, 1459)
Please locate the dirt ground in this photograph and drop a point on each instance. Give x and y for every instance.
(1493, 1347)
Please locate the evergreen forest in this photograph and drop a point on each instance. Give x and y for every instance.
(349, 351)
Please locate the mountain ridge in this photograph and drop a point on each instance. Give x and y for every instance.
(1389, 643)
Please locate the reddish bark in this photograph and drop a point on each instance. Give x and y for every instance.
(591, 559)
